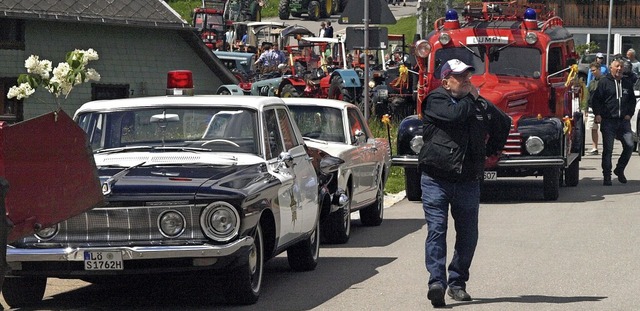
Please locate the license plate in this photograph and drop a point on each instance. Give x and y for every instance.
(103, 261)
(383, 93)
(490, 175)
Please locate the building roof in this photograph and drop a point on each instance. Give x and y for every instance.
(141, 13)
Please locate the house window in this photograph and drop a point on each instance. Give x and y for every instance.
(10, 109)
(109, 91)
(11, 34)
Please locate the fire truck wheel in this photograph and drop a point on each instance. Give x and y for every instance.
(314, 10)
(551, 183)
(289, 91)
(326, 8)
(572, 174)
(283, 9)
(21, 291)
(412, 184)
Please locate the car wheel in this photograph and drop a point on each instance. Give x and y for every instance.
(412, 184)
(572, 174)
(337, 227)
(373, 214)
(551, 183)
(283, 9)
(304, 255)
(246, 281)
(23, 291)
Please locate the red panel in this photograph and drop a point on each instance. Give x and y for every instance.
(51, 172)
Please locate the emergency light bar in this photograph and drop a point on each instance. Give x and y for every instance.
(180, 82)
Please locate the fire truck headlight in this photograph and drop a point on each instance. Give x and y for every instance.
(422, 48)
(534, 145)
(416, 144)
(444, 39)
(531, 38)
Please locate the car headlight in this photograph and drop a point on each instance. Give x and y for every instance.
(534, 145)
(47, 233)
(372, 84)
(416, 143)
(171, 224)
(220, 221)
(444, 38)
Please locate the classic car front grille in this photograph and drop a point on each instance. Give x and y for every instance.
(513, 146)
(124, 226)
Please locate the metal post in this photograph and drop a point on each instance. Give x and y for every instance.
(609, 32)
(365, 87)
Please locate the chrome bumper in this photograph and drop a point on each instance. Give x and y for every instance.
(128, 253)
(412, 161)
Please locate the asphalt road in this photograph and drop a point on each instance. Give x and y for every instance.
(577, 253)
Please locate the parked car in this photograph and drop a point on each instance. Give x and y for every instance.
(584, 62)
(209, 184)
(339, 128)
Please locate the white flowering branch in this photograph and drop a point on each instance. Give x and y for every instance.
(65, 76)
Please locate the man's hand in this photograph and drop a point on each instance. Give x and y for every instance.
(491, 161)
(598, 119)
(627, 117)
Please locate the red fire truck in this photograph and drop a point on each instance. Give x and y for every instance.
(523, 59)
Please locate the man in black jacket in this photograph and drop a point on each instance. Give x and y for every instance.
(461, 129)
(613, 104)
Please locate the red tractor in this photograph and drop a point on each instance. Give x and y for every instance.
(319, 69)
(215, 17)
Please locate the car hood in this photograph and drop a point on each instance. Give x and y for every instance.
(164, 180)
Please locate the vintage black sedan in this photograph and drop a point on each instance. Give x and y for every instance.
(207, 184)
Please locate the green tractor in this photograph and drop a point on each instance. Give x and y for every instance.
(316, 9)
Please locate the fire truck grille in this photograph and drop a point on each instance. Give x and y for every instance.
(513, 147)
(125, 226)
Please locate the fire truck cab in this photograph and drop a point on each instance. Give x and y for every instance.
(523, 59)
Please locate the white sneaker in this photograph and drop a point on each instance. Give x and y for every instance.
(593, 152)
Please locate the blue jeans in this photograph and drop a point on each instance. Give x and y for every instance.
(464, 198)
(615, 129)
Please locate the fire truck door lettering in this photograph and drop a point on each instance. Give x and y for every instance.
(487, 40)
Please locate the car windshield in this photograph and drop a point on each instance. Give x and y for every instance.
(202, 129)
(317, 122)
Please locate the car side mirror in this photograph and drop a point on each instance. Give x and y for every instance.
(285, 159)
(359, 137)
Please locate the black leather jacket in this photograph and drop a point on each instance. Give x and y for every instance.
(459, 134)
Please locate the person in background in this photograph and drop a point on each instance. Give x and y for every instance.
(282, 58)
(322, 30)
(328, 30)
(631, 55)
(613, 104)
(462, 131)
(594, 68)
(269, 59)
(603, 67)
